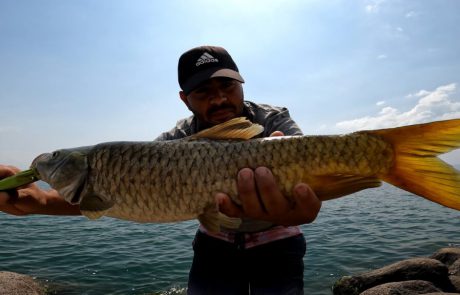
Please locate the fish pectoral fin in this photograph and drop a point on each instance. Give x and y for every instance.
(213, 220)
(94, 207)
(237, 128)
(335, 186)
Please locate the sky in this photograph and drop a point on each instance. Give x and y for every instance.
(81, 72)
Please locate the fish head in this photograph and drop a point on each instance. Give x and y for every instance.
(64, 170)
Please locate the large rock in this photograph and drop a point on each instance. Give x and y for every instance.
(454, 268)
(402, 288)
(447, 255)
(455, 281)
(425, 269)
(18, 284)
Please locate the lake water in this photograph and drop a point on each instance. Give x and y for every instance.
(353, 234)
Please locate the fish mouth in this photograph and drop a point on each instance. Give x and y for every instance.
(39, 158)
(47, 157)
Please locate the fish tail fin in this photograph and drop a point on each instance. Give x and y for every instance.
(417, 168)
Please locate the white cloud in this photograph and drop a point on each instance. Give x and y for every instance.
(382, 56)
(373, 6)
(438, 104)
(380, 103)
(411, 14)
(418, 94)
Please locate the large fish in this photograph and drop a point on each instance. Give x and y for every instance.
(176, 180)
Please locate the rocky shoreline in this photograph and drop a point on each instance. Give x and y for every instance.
(437, 274)
(12, 283)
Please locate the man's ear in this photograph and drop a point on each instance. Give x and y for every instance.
(183, 97)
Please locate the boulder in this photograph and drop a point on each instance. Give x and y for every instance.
(425, 269)
(402, 288)
(447, 255)
(18, 284)
(455, 281)
(454, 268)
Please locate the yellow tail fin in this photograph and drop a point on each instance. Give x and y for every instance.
(417, 168)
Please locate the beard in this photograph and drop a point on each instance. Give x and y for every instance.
(217, 114)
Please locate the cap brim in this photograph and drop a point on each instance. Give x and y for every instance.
(200, 77)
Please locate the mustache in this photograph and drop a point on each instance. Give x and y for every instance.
(224, 106)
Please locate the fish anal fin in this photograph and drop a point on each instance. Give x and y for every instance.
(93, 206)
(213, 220)
(334, 186)
(237, 128)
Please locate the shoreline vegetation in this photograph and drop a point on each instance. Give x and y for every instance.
(437, 274)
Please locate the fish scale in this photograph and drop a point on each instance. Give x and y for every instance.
(177, 180)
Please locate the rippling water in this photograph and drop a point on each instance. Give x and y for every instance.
(353, 234)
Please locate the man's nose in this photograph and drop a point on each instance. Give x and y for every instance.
(218, 96)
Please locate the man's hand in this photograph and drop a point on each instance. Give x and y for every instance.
(7, 198)
(22, 201)
(269, 203)
(262, 199)
(31, 199)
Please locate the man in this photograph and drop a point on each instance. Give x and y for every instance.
(265, 255)
(262, 256)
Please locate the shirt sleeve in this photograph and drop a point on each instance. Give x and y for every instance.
(281, 121)
(169, 135)
(181, 130)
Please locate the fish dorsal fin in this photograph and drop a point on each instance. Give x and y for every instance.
(237, 128)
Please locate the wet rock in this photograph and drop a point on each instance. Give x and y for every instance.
(455, 281)
(447, 255)
(18, 284)
(402, 288)
(425, 269)
(454, 269)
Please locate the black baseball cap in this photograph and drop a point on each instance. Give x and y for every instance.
(205, 62)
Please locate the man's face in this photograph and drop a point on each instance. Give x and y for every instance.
(215, 101)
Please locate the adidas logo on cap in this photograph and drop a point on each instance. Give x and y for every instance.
(206, 58)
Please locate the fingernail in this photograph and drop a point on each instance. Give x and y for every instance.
(301, 190)
(262, 171)
(245, 174)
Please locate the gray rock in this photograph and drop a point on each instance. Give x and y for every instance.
(441, 293)
(454, 268)
(18, 284)
(424, 269)
(402, 288)
(455, 281)
(447, 255)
